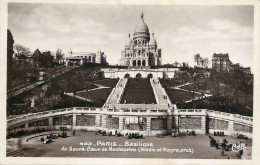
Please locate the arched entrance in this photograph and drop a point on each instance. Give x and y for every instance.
(138, 75)
(134, 63)
(150, 62)
(143, 63)
(150, 75)
(127, 75)
(139, 62)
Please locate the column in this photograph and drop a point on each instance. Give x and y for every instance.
(230, 125)
(148, 122)
(169, 124)
(203, 122)
(104, 122)
(97, 120)
(50, 121)
(74, 120)
(176, 123)
(121, 126)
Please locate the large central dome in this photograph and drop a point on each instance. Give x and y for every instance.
(141, 27)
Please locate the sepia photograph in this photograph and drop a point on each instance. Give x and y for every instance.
(130, 81)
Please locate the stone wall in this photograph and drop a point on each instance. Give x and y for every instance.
(112, 122)
(158, 123)
(155, 123)
(44, 122)
(190, 123)
(242, 128)
(85, 120)
(218, 124)
(62, 120)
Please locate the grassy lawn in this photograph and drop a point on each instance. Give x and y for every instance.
(96, 95)
(138, 91)
(107, 82)
(171, 82)
(180, 96)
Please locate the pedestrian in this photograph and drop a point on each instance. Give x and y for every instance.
(222, 152)
(241, 153)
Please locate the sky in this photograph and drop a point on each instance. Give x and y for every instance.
(180, 31)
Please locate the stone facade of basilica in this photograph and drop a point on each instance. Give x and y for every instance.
(141, 49)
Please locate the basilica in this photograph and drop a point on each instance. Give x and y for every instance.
(141, 49)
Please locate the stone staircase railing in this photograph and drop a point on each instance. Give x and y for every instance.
(154, 91)
(122, 91)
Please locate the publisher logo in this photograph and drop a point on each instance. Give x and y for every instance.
(237, 148)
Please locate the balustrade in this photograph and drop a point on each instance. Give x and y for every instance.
(226, 116)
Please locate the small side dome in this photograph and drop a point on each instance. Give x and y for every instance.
(129, 41)
(153, 41)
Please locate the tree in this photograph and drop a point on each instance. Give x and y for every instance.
(197, 59)
(59, 55)
(234, 86)
(22, 50)
(247, 88)
(206, 62)
(201, 60)
(53, 54)
(185, 65)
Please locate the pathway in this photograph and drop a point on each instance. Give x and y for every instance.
(87, 90)
(78, 97)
